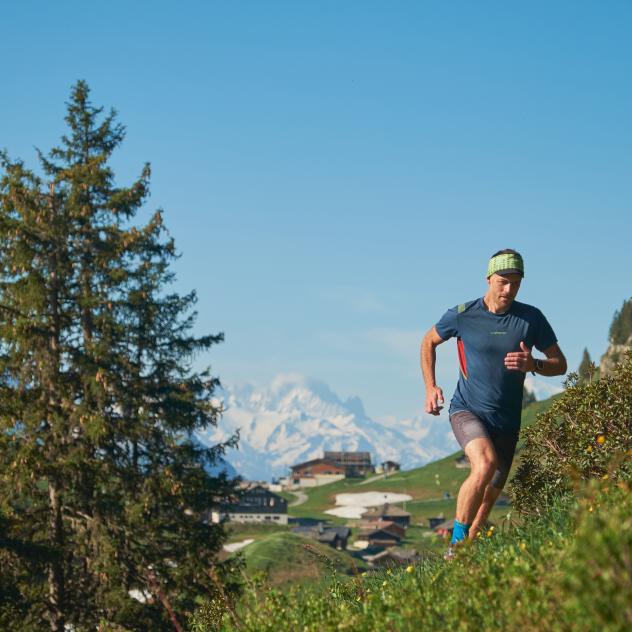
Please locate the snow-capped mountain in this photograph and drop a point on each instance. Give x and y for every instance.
(295, 419)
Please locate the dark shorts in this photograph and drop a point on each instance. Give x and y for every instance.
(467, 426)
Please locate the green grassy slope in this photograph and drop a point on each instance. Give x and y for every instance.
(426, 485)
(284, 558)
(568, 571)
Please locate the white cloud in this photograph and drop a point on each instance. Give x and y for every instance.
(543, 387)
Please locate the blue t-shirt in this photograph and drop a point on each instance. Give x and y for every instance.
(486, 388)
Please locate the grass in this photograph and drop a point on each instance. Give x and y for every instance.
(237, 531)
(568, 570)
(282, 556)
(285, 559)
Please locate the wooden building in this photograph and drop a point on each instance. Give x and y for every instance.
(388, 512)
(382, 537)
(316, 472)
(445, 529)
(392, 557)
(255, 504)
(335, 537)
(355, 464)
(390, 466)
(368, 527)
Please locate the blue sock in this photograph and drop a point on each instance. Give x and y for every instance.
(460, 531)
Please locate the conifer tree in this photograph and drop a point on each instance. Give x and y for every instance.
(621, 327)
(528, 397)
(586, 368)
(99, 402)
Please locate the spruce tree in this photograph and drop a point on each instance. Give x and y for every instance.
(587, 369)
(99, 399)
(528, 397)
(621, 327)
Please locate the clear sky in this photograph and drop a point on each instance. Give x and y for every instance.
(336, 174)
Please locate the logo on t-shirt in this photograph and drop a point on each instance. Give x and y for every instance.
(497, 333)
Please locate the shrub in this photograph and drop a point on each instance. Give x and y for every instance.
(586, 433)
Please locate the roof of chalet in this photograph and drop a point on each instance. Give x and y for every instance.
(314, 462)
(404, 555)
(448, 524)
(324, 534)
(241, 504)
(382, 533)
(386, 510)
(382, 525)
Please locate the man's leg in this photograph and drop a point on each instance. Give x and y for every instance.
(489, 499)
(482, 456)
(505, 448)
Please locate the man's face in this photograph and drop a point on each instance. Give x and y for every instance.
(504, 288)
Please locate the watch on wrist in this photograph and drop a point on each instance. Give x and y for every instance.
(539, 365)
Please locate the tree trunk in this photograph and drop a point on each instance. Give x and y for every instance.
(55, 569)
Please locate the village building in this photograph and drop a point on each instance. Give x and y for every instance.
(368, 527)
(391, 557)
(444, 529)
(355, 464)
(390, 466)
(383, 537)
(503, 500)
(335, 537)
(435, 521)
(316, 472)
(462, 461)
(388, 512)
(255, 504)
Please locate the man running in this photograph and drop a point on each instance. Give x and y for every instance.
(495, 335)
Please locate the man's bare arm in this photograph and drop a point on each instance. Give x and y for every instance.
(555, 363)
(434, 395)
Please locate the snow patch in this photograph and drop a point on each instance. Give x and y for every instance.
(235, 546)
(354, 505)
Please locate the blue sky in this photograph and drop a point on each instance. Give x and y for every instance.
(336, 174)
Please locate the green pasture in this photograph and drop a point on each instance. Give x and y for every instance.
(426, 485)
(289, 558)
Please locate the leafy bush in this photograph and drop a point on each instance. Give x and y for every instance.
(586, 433)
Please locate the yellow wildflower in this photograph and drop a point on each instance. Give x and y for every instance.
(601, 439)
(410, 569)
(605, 477)
(589, 448)
(523, 546)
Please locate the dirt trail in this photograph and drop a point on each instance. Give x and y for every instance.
(301, 497)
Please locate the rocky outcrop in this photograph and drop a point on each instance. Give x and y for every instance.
(613, 355)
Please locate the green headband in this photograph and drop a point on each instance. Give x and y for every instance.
(505, 263)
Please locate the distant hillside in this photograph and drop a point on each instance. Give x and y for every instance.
(284, 558)
(426, 485)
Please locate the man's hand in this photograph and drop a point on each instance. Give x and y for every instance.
(434, 397)
(520, 360)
